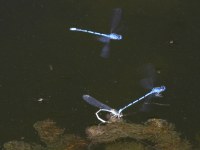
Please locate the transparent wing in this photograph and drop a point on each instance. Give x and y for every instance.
(149, 76)
(147, 83)
(103, 39)
(146, 106)
(149, 71)
(105, 52)
(92, 101)
(116, 17)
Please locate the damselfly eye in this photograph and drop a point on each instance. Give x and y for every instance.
(163, 88)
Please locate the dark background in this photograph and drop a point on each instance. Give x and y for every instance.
(41, 58)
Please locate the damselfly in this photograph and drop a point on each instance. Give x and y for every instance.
(105, 38)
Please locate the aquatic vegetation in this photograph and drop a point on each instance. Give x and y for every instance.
(55, 138)
(154, 134)
(48, 131)
(125, 146)
(159, 132)
(21, 145)
(52, 136)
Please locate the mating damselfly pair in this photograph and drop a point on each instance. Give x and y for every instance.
(118, 113)
(147, 82)
(105, 38)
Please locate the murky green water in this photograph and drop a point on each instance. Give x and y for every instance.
(40, 58)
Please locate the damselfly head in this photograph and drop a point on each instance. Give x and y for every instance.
(163, 88)
(158, 90)
(115, 36)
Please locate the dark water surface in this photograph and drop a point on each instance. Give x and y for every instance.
(41, 58)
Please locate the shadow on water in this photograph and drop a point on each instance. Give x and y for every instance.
(45, 69)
